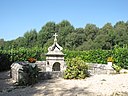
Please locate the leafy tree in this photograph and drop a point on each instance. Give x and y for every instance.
(74, 40)
(8, 45)
(2, 43)
(91, 31)
(121, 33)
(64, 29)
(19, 42)
(64, 23)
(89, 38)
(107, 28)
(102, 41)
(87, 45)
(48, 44)
(79, 30)
(46, 33)
(30, 38)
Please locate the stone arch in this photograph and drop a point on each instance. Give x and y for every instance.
(56, 66)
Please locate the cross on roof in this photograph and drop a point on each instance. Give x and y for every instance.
(55, 39)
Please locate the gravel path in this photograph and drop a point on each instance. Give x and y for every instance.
(97, 85)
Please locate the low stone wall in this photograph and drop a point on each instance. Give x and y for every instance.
(100, 69)
(50, 75)
(41, 65)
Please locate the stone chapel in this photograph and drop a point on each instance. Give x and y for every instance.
(55, 57)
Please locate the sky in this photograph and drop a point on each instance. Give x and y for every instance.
(20, 16)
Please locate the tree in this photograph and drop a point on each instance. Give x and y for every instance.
(74, 40)
(91, 31)
(107, 29)
(79, 30)
(46, 33)
(30, 38)
(8, 45)
(64, 23)
(102, 42)
(89, 38)
(121, 33)
(19, 42)
(64, 29)
(87, 45)
(2, 43)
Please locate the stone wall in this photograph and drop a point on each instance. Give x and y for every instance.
(41, 65)
(50, 75)
(16, 69)
(100, 69)
(15, 72)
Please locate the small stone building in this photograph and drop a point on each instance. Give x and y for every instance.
(55, 57)
(19, 71)
(16, 69)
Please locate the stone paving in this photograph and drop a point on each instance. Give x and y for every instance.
(97, 85)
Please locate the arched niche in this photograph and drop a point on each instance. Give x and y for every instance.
(56, 66)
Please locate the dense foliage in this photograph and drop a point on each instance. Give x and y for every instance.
(119, 55)
(94, 56)
(90, 37)
(5, 61)
(7, 57)
(76, 69)
(29, 75)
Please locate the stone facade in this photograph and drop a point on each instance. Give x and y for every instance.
(41, 65)
(16, 69)
(50, 75)
(55, 57)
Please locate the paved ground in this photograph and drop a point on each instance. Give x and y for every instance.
(97, 85)
(5, 81)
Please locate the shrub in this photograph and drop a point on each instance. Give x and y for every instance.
(76, 69)
(4, 62)
(92, 56)
(121, 57)
(116, 68)
(29, 75)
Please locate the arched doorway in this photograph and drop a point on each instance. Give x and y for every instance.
(56, 66)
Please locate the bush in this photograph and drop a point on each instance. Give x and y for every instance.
(93, 56)
(76, 69)
(116, 68)
(4, 62)
(7, 57)
(120, 56)
(29, 75)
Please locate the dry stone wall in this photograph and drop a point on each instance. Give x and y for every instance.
(100, 69)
